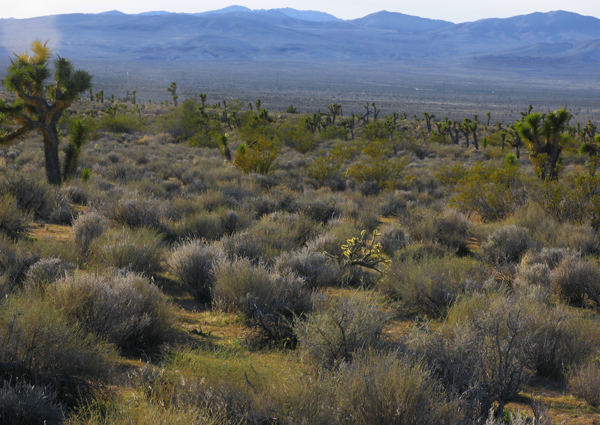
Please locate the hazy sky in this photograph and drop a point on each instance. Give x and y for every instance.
(453, 10)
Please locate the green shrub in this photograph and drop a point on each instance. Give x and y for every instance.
(490, 191)
(340, 329)
(268, 301)
(26, 404)
(41, 346)
(14, 223)
(123, 308)
(507, 245)
(193, 262)
(138, 250)
(120, 123)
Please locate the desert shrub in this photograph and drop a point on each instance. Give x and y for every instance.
(537, 274)
(268, 300)
(320, 210)
(60, 209)
(204, 224)
(585, 384)
(15, 260)
(314, 267)
(31, 195)
(193, 263)
(138, 250)
(136, 213)
(40, 345)
(490, 191)
(481, 352)
(123, 308)
(211, 402)
(576, 281)
(25, 404)
(561, 340)
(430, 285)
(86, 228)
(75, 194)
(373, 389)
(392, 239)
(46, 271)
(120, 123)
(269, 237)
(452, 230)
(506, 245)
(340, 329)
(551, 257)
(13, 222)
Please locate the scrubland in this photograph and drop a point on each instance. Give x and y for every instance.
(225, 264)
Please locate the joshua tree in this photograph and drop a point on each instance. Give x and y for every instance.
(375, 111)
(335, 109)
(39, 106)
(592, 149)
(79, 132)
(223, 142)
(428, 118)
(545, 135)
(367, 112)
(173, 90)
(202, 97)
(133, 97)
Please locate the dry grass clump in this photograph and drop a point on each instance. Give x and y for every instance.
(193, 262)
(123, 308)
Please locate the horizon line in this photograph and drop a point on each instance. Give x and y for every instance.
(291, 8)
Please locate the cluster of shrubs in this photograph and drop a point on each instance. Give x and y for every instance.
(491, 304)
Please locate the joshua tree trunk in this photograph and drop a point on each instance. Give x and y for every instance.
(51, 155)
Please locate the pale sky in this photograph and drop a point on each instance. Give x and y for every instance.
(453, 10)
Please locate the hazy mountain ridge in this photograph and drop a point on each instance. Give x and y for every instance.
(238, 33)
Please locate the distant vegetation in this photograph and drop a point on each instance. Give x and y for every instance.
(210, 261)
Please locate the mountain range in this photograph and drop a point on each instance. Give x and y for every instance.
(553, 42)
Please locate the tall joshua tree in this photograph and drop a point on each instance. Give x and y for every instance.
(39, 105)
(545, 136)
